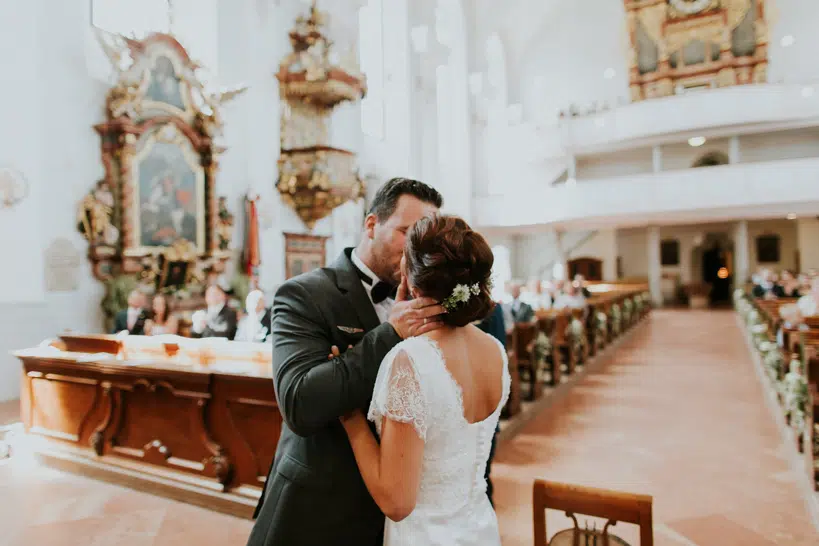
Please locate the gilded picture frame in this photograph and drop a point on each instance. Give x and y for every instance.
(168, 200)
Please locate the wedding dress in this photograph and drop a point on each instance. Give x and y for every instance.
(452, 507)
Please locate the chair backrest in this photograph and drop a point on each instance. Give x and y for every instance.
(600, 503)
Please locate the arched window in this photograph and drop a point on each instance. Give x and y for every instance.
(371, 60)
(712, 159)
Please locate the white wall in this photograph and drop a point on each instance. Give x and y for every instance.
(632, 247)
(793, 144)
(621, 163)
(808, 243)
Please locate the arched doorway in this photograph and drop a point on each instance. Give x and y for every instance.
(715, 259)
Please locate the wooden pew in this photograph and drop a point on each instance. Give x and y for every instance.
(524, 349)
(512, 406)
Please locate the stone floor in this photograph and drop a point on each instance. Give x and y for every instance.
(675, 411)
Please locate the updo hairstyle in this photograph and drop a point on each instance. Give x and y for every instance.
(442, 252)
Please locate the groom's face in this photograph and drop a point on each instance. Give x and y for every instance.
(389, 236)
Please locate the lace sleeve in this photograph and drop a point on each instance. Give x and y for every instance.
(398, 395)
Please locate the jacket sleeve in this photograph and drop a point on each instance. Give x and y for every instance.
(313, 391)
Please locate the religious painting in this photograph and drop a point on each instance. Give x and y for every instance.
(170, 192)
(164, 85)
(767, 249)
(303, 253)
(173, 273)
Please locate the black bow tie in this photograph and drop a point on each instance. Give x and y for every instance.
(380, 291)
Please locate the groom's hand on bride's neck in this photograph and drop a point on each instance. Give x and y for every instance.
(414, 317)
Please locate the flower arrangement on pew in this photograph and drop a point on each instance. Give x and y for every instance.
(602, 324)
(628, 310)
(542, 350)
(576, 332)
(616, 319)
(795, 396)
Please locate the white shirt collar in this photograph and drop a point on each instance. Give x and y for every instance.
(364, 269)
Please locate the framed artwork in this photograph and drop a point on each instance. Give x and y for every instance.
(767, 249)
(169, 201)
(173, 273)
(303, 253)
(670, 252)
(164, 86)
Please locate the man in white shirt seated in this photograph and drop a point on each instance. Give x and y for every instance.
(133, 318)
(535, 296)
(572, 298)
(219, 320)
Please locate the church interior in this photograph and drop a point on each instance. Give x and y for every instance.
(663, 341)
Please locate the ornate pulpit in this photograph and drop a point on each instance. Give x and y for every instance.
(682, 45)
(315, 178)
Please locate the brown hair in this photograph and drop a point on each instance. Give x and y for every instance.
(442, 252)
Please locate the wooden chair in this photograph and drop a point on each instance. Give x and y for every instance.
(600, 503)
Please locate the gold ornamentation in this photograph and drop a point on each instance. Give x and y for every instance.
(95, 216)
(224, 225)
(315, 178)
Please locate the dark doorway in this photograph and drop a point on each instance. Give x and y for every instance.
(716, 270)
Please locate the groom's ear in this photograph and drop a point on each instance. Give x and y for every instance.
(369, 225)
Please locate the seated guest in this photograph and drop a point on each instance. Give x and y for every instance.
(788, 285)
(809, 303)
(219, 320)
(162, 321)
(519, 310)
(133, 318)
(535, 296)
(572, 298)
(255, 326)
(580, 281)
(766, 286)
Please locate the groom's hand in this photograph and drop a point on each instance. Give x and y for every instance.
(410, 318)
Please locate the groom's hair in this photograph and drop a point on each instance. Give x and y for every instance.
(387, 196)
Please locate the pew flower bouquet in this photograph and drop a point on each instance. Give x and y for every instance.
(796, 395)
(576, 332)
(616, 318)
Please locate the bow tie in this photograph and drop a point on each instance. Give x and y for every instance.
(380, 291)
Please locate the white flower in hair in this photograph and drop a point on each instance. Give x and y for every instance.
(460, 294)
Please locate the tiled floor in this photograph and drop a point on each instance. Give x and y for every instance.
(675, 412)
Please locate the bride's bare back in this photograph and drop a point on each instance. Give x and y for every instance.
(472, 358)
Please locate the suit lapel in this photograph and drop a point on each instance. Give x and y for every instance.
(349, 283)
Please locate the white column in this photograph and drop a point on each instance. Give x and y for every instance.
(571, 168)
(654, 266)
(742, 262)
(807, 234)
(734, 152)
(657, 158)
(561, 262)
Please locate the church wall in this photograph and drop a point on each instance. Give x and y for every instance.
(807, 237)
(793, 144)
(50, 103)
(632, 247)
(620, 163)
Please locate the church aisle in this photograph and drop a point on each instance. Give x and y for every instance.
(676, 411)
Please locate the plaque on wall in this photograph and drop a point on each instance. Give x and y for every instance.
(62, 264)
(303, 253)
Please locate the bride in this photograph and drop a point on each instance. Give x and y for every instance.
(437, 400)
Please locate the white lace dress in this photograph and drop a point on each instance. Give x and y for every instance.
(452, 507)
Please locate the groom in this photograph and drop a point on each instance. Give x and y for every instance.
(314, 494)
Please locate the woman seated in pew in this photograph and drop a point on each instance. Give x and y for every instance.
(806, 306)
(255, 326)
(789, 285)
(162, 320)
(572, 298)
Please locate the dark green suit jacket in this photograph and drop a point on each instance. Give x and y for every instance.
(314, 494)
